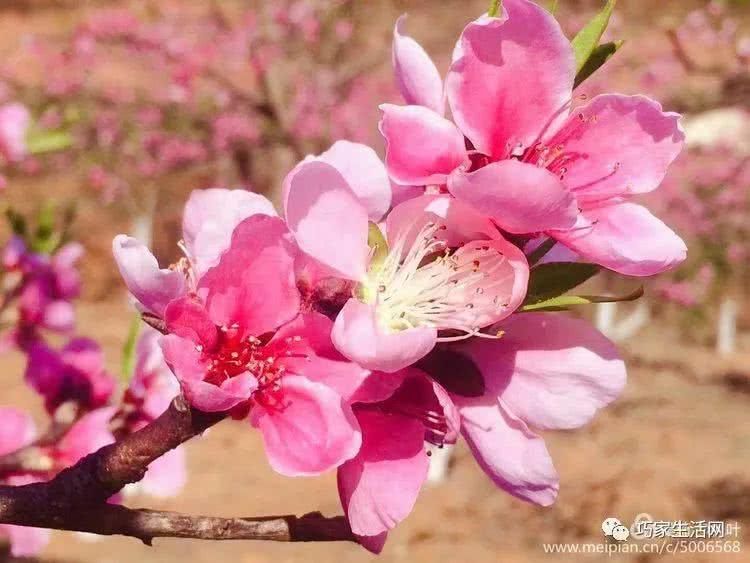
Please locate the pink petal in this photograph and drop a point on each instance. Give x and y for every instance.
(419, 393)
(166, 476)
(520, 197)
(358, 335)
(210, 218)
(187, 317)
(511, 78)
(17, 430)
(623, 145)
(513, 456)
(626, 238)
(24, 541)
(189, 366)
(462, 222)
(154, 288)
(378, 488)
(59, 315)
(90, 433)
(552, 371)
(14, 124)
(417, 78)
(304, 347)
(309, 430)
(327, 219)
(365, 173)
(254, 284)
(422, 146)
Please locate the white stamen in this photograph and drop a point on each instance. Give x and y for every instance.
(456, 290)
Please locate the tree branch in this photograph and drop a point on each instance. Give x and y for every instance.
(76, 499)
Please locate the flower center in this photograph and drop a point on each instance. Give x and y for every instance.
(236, 355)
(438, 286)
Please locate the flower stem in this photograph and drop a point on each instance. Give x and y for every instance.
(494, 8)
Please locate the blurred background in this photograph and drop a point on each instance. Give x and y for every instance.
(135, 103)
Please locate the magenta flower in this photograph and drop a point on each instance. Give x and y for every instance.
(402, 303)
(75, 373)
(521, 155)
(47, 285)
(17, 430)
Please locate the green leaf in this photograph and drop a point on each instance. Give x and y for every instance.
(548, 281)
(600, 56)
(45, 240)
(40, 142)
(564, 302)
(588, 38)
(128, 349)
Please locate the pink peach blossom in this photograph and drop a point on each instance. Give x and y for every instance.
(75, 373)
(240, 342)
(17, 430)
(14, 123)
(532, 164)
(401, 304)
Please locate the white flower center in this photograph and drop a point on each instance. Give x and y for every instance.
(436, 286)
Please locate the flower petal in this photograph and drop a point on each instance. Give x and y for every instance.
(24, 541)
(187, 317)
(188, 365)
(422, 146)
(210, 218)
(378, 488)
(508, 84)
(253, 284)
(461, 221)
(358, 335)
(327, 218)
(365, 173)
(520, 197)
(552, 371)
(622, 145)
(87, 435)
(626, 238)
(513, 456)
(308, 430)
(17, 430)
(154, 288)
(167, 475)
(303, 347)
(417, 78)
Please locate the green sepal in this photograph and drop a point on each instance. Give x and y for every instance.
(565, 302)
(548, 281)
(597, 59)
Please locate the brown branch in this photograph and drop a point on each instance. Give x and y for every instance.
(76, 499)
(17, 506)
